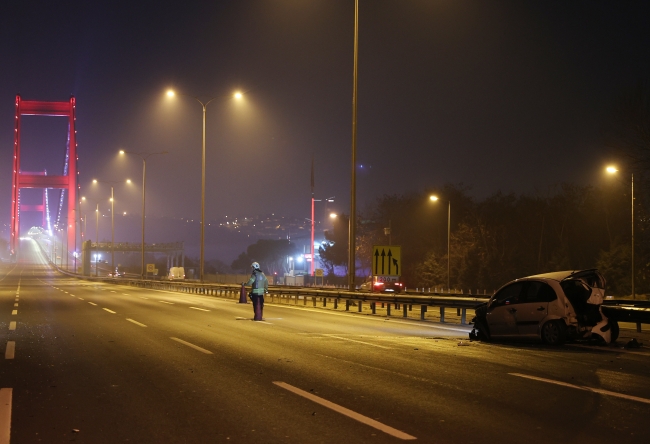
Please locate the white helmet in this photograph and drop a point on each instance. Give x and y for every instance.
(255, 266)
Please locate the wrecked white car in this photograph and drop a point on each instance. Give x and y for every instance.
(553, 307)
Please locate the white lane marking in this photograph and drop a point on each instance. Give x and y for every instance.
(110, 311)
(71, 294)
(10, 351)
(113, 291)
(135, 322)
(344, 411)
(81, 299)
(15, 304)
(12, 325)
(607, 349)
(197, 308)
(92, 303)
(165, 302)
(584, 387)
(142, 297)
(5, 415)
(354, 340)
(14, 312)
(189, 344)
(125, 294)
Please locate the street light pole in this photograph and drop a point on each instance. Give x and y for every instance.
(238, 96)
(144, 157)
(96, 237)
(434, 199)
(613, 170)
(353, 181)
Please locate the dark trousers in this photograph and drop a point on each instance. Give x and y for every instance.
(258, 306)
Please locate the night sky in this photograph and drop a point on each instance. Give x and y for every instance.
(498, 95)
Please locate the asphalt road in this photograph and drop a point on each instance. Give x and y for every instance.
(99, 363)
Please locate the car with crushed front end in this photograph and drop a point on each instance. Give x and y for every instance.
(553, 307)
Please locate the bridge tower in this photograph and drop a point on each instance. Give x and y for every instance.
(67, 181)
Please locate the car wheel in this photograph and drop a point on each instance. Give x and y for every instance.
(614, 330)
(554, 333)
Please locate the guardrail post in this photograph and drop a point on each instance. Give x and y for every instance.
(360, 307)
(373, 307)
(410, 307)
(463, 316)
(638, 327)
(423, 311)
(388, 309)
(304, 300)
(336, 303)
(458, 312)
(324, 302)
(442, 314)
(347, 305)
(405, 311)
(313, 300)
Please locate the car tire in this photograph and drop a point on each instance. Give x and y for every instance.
(614, 330)
(554, 333)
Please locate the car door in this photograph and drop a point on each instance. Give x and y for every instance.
(503, 307)
(533, 307)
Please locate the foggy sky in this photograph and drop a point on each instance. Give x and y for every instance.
(509, 95)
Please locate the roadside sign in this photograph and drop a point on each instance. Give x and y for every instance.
(386, 260)
(151, 268)
(318, 272)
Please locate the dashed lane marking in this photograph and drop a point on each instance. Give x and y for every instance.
(135, 322)
(165, 302)
(5, 415)
(12, 325)
(113, 291)
(347, 412)
(584, 387)
(197, 308)
(125, 294)
(110, 311)
(92, 303)
(354, 340)
(15, 304)
(14, 312)
(10, 351)
(81, 299)
(142, 297)
(189, 344)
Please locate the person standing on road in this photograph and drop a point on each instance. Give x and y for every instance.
(260, 286)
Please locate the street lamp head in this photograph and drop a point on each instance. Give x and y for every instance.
(238, 95)
(333, 215)
(94, 180)
(170, 93)
(83, 198)
(433, 198)
(128, 181)
(611, 169)
(122, 152)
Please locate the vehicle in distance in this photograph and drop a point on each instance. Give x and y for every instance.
(375, 285)
(176, 273)
(552, 307)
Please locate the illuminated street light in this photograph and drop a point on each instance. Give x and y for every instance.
(238, 96)
(144, 157)
(435, 198)
(613, 170)
(333, 215)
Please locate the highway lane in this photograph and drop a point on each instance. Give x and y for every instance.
(224, 378)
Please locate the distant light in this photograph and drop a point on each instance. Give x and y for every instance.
(170, 93)
(611, 169)
(433, 198)
(238, 95)
(124, 213)
(128, 180)
(94, 180)
(83, 198)
(333, 215)
(121, 151)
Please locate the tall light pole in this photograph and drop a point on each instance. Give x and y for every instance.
(613, 170)
(238, 96)
(353, 181)
(434, 199)
(144, 157)
(112, 183)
